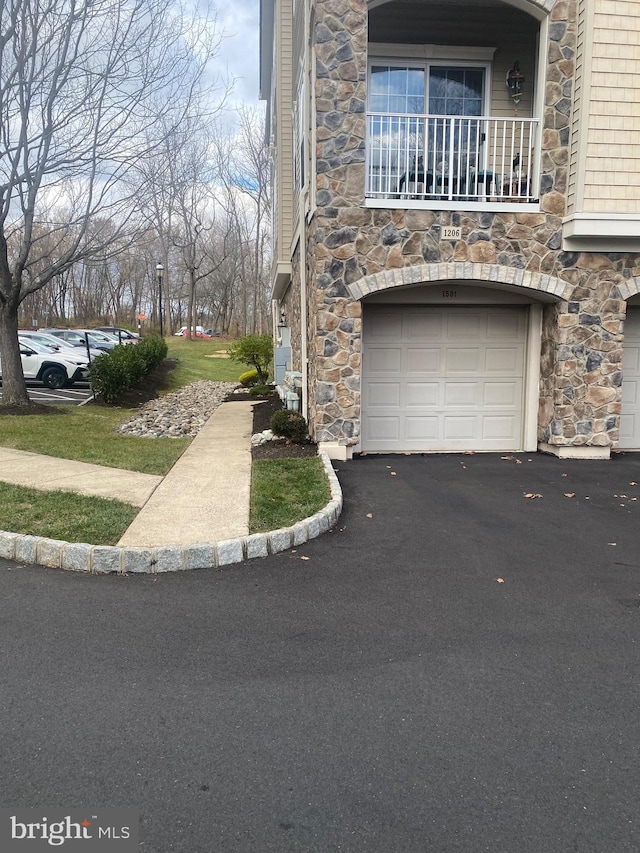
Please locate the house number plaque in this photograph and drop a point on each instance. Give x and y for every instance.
(450, 232)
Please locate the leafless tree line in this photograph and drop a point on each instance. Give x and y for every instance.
(202, 212)
(114, 157)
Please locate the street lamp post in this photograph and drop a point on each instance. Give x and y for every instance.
(160, 270)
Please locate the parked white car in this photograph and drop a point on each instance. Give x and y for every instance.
(198, 332)
(59, 344)
(53, 369)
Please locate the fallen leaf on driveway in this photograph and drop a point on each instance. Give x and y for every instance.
(633, 483)
(500, 580)
(369, 515)
(569, 494)
(612, 543)
(305, 558)
(532, 495)
(393, 473)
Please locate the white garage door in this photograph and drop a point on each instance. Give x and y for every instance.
(630, 418)
(437, 379)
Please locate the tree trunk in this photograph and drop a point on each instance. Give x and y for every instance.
(14, 389)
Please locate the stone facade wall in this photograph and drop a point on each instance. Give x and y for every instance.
(581, 375)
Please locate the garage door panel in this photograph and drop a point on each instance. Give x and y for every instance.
(502, 394)
(461, 394)
(421, 428)
(453, 380)
(464, 326)
(423, 360)
(503, 360)
(462, 359)
(385, 429)
(632, 360)
(423, 326)
(458, 427)
(501, 326)
(502, 428)
(631, 392)
(383, 394)
(384, 359)
(387, 326)
(423, 394)
(629, 425)
(630, 417)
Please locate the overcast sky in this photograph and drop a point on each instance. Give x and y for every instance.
(240, 51)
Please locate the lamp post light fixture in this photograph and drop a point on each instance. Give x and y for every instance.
(159, 271)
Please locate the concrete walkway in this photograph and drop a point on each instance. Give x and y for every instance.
(204, 497)
(51, 474)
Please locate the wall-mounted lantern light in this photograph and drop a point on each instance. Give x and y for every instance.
(515, 83)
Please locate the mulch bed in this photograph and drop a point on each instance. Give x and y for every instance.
(262, 413)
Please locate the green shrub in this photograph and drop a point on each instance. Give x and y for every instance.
(291, 425)
(256, 351)
(261, 390)
(249, 378)
(114, 372)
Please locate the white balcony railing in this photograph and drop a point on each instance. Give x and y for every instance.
(450, 158)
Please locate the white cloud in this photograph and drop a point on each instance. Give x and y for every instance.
(240, 50)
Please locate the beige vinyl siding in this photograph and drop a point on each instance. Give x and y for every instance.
(283, 81)
(501, 103)
(612, 144)
(580, 97)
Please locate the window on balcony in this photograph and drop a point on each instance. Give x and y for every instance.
(431, 137)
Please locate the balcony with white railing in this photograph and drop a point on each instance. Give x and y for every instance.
(443, 162)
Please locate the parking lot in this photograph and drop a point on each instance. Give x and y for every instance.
(75, 396)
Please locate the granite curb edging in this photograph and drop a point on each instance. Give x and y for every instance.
(115, 559)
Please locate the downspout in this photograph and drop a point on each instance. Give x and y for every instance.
(309, 197)
(303, 318)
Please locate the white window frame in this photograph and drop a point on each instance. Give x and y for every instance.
(300, 170)
(427, 64)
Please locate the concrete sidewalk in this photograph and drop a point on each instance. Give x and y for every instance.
(204, 497)
(50, 473)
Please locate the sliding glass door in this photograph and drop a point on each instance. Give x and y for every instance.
(422, 126)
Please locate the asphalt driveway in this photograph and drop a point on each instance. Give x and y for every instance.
(454, 668)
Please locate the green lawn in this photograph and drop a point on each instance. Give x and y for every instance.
(62, 515)
(202, 358)
(87, 433)
(283, 491)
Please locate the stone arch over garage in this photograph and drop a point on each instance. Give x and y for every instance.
(490, 273)
(537, 8)
(629, 287)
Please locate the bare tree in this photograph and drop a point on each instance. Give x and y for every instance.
(252, 165)
(83, 84)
